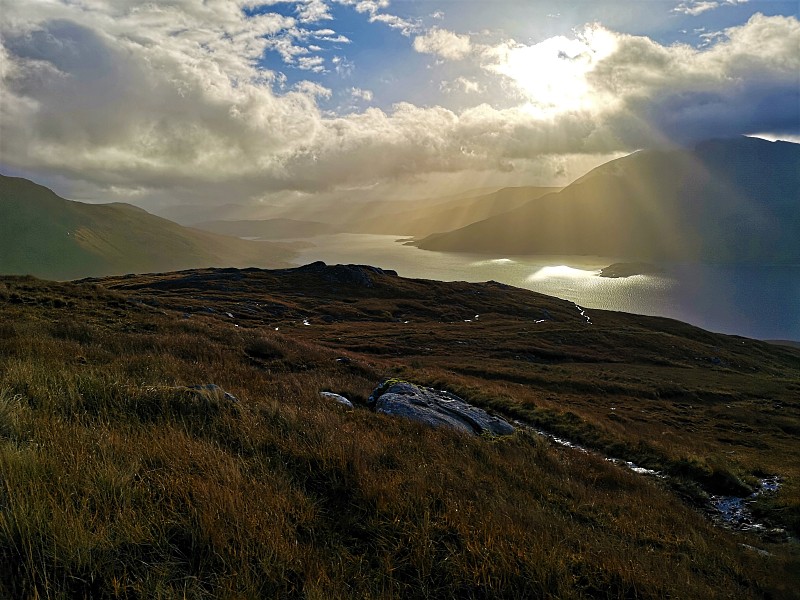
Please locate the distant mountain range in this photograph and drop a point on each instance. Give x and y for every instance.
(45, 235)
(450, 213)
(268, 229)
(734, 200)
(191, 214)
(731, 201)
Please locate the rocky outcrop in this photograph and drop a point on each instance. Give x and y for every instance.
(337, 398)
(358, 275)
(435, 408)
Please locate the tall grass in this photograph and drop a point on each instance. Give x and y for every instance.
(117, 480)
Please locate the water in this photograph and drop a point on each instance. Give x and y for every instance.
(761, 302)
(735, 510)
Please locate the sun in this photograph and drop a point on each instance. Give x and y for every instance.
(552, 75)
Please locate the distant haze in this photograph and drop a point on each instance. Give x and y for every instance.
(725, 201)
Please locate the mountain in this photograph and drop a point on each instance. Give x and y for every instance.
(45, 235)
(268, 229)
(735, 200)
(190, 214)
(167, 435)
(450, 213)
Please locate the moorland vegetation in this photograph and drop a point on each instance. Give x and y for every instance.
(121, 480)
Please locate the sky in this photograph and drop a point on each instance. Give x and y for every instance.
(246, 101)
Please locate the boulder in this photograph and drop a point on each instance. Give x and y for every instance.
(337, 398)
(436, 408)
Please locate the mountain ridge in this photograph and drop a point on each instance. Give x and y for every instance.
(45, 235)
(450, 214)
(270, 229)
(724, 201)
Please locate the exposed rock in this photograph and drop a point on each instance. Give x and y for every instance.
(213, 392)
(435, 408)
(337, 398)
(360, 275)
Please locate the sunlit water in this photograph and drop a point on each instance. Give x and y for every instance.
(753, 301)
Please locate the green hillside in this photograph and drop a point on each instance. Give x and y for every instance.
(47, 236)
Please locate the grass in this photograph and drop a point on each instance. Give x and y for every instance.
(119, 481)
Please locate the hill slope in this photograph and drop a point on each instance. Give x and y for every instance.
(45, 235)
(724, 201)
(268, 229)
(423, 219)
(121, 480)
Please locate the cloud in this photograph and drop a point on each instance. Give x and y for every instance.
(553, 74)
(405, 26)
(747, 80)
(443, 43)
(313, 89)
(315, 64)
(640, 92)
(359, 94)
(695, 8)
(173, 101)
(313, 11)
(373, 9)
(698, 7)
(308, 11)
(462, 84)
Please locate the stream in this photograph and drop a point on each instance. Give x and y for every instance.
(732, 512)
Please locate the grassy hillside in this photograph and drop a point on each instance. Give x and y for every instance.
(118, 480)
(724, 201)
(44, 235)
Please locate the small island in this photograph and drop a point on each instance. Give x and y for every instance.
(628, 269)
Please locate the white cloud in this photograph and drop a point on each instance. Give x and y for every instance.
(695, 8)
(313, 11)
(374, 7)
(698, 7)
(316, 64)
(310, 88)
(343, 67)
(308, 11)
(405, 26)
(131, 96)
(443, 43)
(360, 94)
(553, 74)
(368, 6)
(462, 84)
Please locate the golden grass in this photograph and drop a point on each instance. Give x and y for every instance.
(116, 481)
